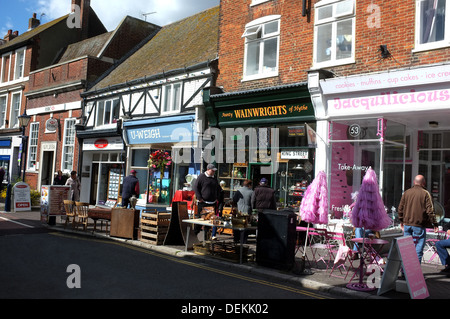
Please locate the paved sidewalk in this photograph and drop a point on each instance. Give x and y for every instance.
(437, 283)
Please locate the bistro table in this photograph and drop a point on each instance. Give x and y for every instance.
(100, 213)
(208, 223)
(371, 254)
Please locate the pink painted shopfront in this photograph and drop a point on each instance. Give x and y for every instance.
(396, 122)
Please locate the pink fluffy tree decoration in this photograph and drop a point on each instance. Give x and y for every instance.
(369, 212)
(314, 205)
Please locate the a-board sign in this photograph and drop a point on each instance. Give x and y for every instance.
(403, 254)
(22, 199)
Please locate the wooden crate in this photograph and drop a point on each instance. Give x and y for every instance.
(154, 226)
(229, 251)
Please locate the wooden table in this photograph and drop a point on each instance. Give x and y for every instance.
(99, 213)
(207, 223)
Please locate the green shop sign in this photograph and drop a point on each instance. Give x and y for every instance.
(282, 111)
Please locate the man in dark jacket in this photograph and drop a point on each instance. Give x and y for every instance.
(130, 187)
(263, 197)
(207, 190)
(416, 212)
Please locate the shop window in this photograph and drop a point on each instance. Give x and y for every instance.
(3, 102)
(15, 110)
(171, 98)
(20, 62)
(69, 145)
(33, 144)
(334, 36)
(262, 38)
(431, 24)
(108, 112)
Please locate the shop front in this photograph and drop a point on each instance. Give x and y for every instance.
(266, 133)
(176, 138)
(395, 122)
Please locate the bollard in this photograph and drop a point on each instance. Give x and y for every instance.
(8, 198)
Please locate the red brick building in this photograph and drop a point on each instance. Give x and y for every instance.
(55, 104)
(376, 72)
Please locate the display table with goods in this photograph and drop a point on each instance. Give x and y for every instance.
(224, 249)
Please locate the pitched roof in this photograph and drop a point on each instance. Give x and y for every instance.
(89, 47)
(25, 37)
(187, 42)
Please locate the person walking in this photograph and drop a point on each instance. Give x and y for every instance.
(75, 185)
(263, 196)
(207, 190)
(416, 212)
(130, 187)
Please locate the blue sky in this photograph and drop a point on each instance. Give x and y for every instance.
(14, 14)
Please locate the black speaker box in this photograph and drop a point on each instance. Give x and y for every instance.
(276, 239)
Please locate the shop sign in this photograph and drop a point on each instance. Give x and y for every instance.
(51, 125)
(169, 133)
(22, 198)
(296, 130)
(266, 112)
(101, 144)
(294, 154)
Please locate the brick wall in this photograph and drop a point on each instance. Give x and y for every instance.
(396, 30)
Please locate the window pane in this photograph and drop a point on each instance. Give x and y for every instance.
(107, 113)
(15, 110)
(324, 12)
(270, 55)
(344, 39)
(176, 97)
(432, 21)
(253, 51)
(344, 8)
(140, 157)
(2, 110)
(116, 111)
(323, 43)
(167, 93)
(100, 112)
(271, 27)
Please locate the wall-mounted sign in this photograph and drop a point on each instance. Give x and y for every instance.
(101, 144)
(354, 130)
(294, 154)
(51, 125)
(267, 112)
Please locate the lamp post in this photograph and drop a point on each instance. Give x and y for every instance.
(24, 120)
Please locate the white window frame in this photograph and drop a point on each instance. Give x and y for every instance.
(170, 99)
(418, 31)
(4, 66)
(103, 115)
(18, 75)
(333, 21)
(252, 29)
(67, 156)
(3, 112)
(256, 2)
(15, 113)
(33, 146)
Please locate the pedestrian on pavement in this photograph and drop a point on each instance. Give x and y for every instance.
(2, 176)
(75, 185)
(263, 196)
(243, 199)
(207, 190)
(130, 187)
(60, 179)
(441, 248)
(416, 212)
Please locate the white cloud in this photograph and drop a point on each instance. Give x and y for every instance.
(111, 12)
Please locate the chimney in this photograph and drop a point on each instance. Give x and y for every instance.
(85, 7)
(11, 35)
(33, 22)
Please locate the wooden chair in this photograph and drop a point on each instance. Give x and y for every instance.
(82, 214)
(70, 212)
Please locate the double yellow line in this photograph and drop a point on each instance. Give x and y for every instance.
(200, 266)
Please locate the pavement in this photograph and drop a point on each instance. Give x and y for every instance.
(314, 276)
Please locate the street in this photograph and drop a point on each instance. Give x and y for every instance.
(53, 265)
